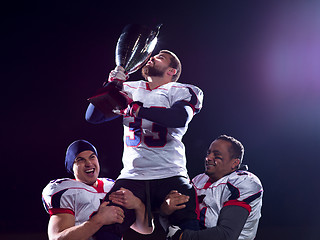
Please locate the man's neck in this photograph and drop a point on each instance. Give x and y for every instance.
(155, 82)
(214, 178)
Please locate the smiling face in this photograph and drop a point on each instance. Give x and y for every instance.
(86, 167)
(219, 161)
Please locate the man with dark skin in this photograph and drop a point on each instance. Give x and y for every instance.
(230, 199)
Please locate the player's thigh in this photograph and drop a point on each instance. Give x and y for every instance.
(137, 187)
(181, 184)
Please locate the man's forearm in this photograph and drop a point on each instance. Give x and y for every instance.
(79, 232)
(230, 224)
(174, 117)
(93, 115)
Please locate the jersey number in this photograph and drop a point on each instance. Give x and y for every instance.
(150, 141)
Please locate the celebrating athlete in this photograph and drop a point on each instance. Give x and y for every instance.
(74, 204)
(155, 120)
(230, 199)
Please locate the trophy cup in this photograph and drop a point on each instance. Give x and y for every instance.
(134, 47)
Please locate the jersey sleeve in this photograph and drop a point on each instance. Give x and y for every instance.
(57, 198)
(188, 93)
(230, 223)
(245, 190)
(108, 183)
(174, 117)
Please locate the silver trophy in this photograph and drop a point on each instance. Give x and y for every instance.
(134, 48)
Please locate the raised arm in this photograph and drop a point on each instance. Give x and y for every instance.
(95, 116)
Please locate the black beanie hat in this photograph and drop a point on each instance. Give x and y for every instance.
(74, 149)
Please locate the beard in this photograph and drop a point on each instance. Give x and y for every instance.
(152, 71)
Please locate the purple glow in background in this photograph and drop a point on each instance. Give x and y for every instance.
(288, 58)
(258, 63)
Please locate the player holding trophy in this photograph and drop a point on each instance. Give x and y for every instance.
(155, 118)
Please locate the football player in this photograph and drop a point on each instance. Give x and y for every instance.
(74, 204)
(155, 120)
(230, 199)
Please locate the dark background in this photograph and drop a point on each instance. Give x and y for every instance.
(258, 63)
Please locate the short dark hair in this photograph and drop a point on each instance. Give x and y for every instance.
(236, 150)
(174, 63)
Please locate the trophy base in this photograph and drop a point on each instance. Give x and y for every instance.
(107, 99)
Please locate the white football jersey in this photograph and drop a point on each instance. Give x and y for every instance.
(70, 196)
(152, 151)
(240, 188)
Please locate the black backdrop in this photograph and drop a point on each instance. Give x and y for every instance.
(256, 61)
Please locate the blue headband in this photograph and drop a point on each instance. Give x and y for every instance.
(74, 149)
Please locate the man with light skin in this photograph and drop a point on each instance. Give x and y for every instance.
(154, 122)
(230, 199)
(74, 204)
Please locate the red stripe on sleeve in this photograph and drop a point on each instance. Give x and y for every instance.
(60, 210)
(192, 106)
(238, 203)
(197, 206)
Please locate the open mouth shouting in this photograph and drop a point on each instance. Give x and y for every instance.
(90, 171)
